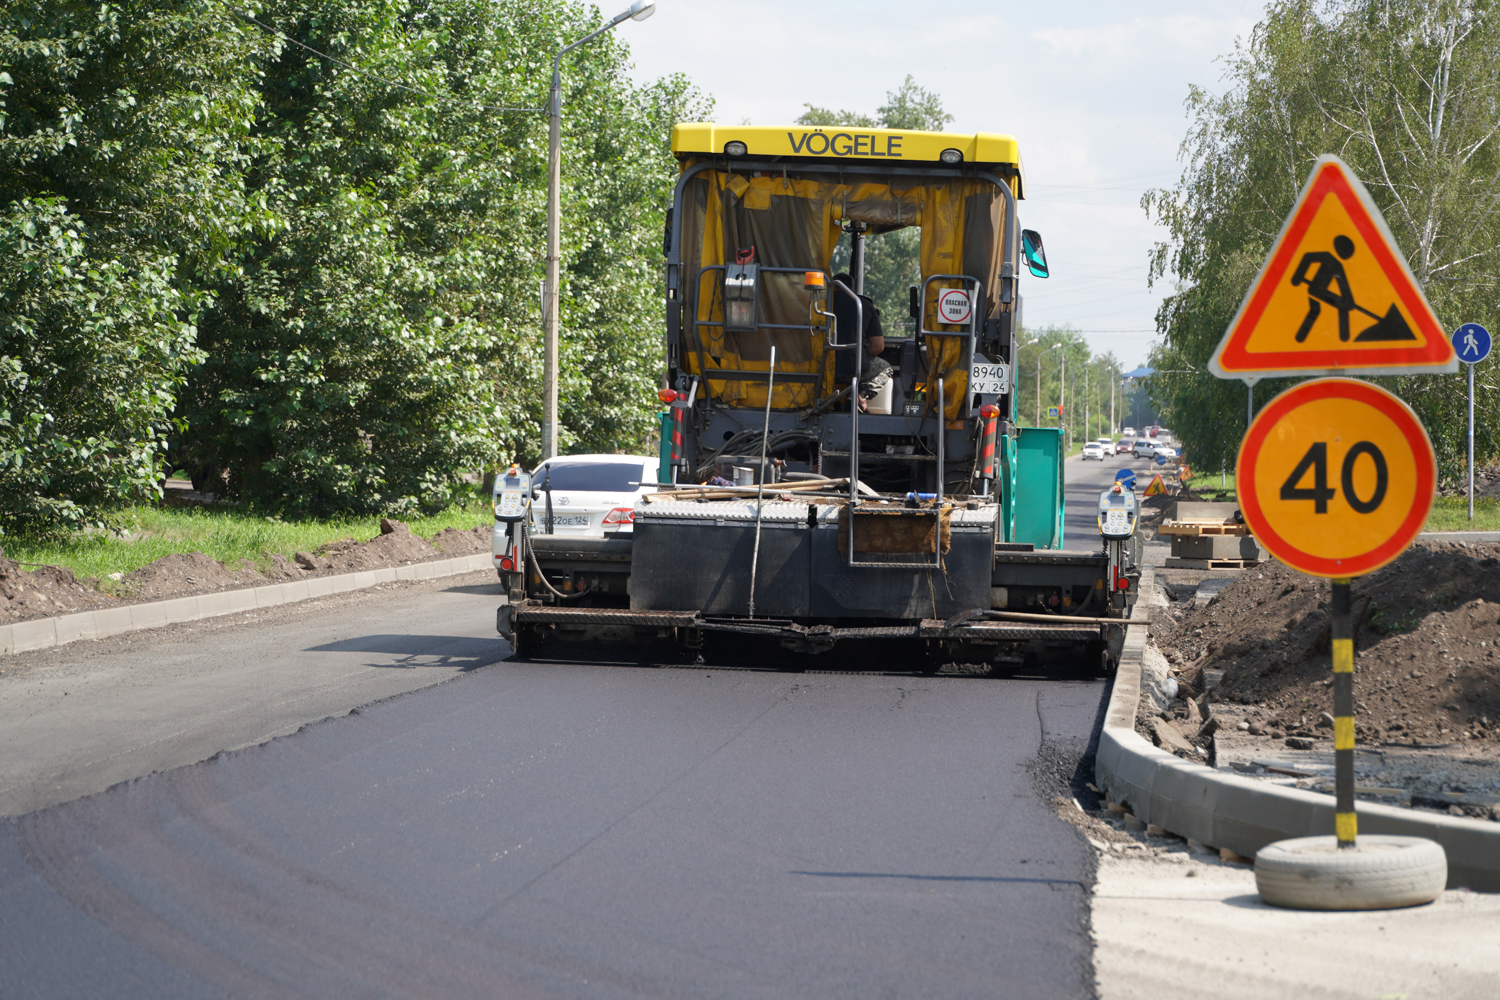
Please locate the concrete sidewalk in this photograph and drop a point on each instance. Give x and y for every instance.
(1169, 924)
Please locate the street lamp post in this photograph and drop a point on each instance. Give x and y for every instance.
(1039, 387)
(639, 11)
(1111, 373)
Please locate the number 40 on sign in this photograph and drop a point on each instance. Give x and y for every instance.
(1336, 477)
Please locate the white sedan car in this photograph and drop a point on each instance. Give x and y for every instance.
(592, 496)
(1108, 446)
(1093, 450)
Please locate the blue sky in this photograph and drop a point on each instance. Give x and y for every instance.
(1093, 91)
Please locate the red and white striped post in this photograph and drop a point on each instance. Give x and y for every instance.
(678, 402)
(991, 414)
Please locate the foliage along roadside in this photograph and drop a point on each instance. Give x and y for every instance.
(311, 287)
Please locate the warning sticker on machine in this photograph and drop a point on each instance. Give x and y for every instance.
(954, 306)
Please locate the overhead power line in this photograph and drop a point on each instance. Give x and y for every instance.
(365, 73)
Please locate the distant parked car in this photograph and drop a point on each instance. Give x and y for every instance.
(1107, 446)
(1093, 450)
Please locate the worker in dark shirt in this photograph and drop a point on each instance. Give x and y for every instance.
(875, 371)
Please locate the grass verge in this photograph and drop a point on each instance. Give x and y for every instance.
(228, 534)
(1452, 514)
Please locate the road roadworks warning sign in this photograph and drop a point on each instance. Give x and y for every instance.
(1156, 489)
(1335, 296)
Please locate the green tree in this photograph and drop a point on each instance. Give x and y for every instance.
(913, 107)
(121, 131)
(827, 117)
(1403, 90)
(385, 339)
(339, 210)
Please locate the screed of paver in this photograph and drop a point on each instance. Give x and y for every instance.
(1163, 934)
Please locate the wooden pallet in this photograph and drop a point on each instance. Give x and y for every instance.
(1202, 528)
(1175, 563)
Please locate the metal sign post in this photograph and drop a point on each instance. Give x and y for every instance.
(1250, 381)
(1341, 632)
(1336, 478)
(1471, 342)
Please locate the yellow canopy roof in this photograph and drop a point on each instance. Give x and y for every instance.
(873, 146)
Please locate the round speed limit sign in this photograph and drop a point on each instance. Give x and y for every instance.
(1336, 477)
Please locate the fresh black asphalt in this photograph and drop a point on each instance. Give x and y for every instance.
(542, 829)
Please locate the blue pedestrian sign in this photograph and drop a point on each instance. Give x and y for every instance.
(1471, 342)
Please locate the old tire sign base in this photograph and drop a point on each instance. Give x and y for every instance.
(1336, 477)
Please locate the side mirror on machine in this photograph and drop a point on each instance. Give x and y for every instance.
(1036, 255)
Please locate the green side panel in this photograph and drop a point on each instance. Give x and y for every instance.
(664, 453)
(1006, 487)
(1039, 487)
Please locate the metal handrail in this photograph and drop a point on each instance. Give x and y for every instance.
(975, 312)
(831, 341)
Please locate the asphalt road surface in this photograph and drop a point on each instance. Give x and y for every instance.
(534, 829)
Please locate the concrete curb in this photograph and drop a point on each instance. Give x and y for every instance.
(1243, 814)
(42, 633)
(1459, 536)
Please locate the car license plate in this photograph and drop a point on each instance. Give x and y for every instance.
(989, 378)
(567, 520)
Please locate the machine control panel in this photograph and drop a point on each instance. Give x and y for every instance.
(512, 495)
(1118, 512)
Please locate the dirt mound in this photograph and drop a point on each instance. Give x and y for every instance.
(185, 573)
(53, 590)
(459, 542)
(1425, 670)
(49, 590)
(394, 546)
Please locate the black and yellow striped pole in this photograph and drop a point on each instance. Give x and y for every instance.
(1342, 632)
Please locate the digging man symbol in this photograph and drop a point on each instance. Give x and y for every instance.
(1320, 270)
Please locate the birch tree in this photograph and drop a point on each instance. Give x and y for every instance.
(1408, 93)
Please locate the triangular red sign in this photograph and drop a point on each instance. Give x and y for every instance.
(1334, 296)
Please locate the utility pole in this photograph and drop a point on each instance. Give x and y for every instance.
(1111, 373)
(639, 11)
(1088, 405)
